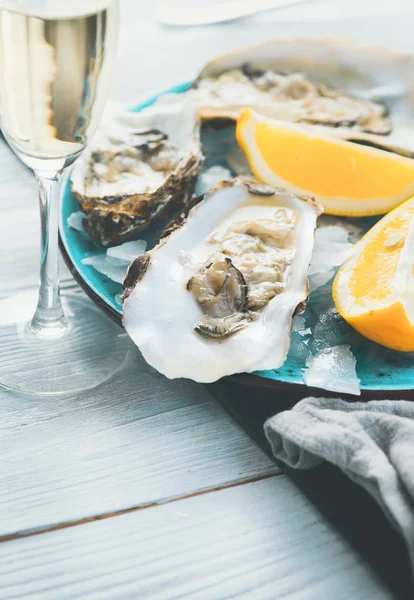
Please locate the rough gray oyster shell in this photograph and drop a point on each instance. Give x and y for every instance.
(141, 167)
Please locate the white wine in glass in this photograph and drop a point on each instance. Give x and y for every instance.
(56, 60)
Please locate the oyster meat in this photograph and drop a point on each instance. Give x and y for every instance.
(141, 167)
(290, 97)
(222, 293)
(218, 294)
(355, 93)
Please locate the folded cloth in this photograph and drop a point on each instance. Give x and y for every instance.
(372, 442)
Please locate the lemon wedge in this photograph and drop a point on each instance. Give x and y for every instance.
(344, 177)
(374, 288)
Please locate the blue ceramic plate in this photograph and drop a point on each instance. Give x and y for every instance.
(381, 372)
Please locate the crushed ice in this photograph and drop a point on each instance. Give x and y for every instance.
(330, 363)
(75, 221)
(238, 163)
(211, 178)
(118, 299)
(103, 265)
(128, 251)
(334, 240)
(333, 369)
(115, 261)
(299, 323)
(330, 329)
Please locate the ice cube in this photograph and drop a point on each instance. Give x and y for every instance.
(333, 369)
(329, 250)
(334, 241)
(331, 232)
(320, 300)
(238, 163)
(317, 280)
(298, 323)
(211, 178)
(299, 350)
(75, 221)
(331, 330)
(101, 263)
(354, 231)
(127, 251)
(116, 262)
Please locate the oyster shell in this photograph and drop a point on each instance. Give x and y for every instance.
(355, 93)
(140, 168)
(218, 294)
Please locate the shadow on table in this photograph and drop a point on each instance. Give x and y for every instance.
(349, 509)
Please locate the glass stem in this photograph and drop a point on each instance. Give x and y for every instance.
(49, 319)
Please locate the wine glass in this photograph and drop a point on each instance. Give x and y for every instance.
(55, 64)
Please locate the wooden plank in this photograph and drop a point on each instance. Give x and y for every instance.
(262, 540)
(135, 441)
(140, 439)
(348, 508)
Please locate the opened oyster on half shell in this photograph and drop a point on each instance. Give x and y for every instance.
(354, 93)
(218, 294)
(138, 169)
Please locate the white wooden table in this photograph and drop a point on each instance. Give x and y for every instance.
(147, 488)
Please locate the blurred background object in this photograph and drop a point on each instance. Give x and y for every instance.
(176, 54)
(202, 13)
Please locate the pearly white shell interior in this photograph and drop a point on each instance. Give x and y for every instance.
(159, 314)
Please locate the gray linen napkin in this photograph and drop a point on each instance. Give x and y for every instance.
(372, 442)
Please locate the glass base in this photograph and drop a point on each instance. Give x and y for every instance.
(87, 355)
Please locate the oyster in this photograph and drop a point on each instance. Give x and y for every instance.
(218, 294)
(355, 93)
(291, 97)
(138, 169)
